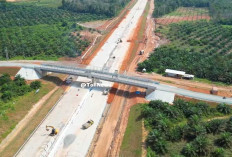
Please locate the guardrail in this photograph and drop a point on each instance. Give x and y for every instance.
(100, 73)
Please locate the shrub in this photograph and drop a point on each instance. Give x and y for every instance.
(6, 96)
(19, 81)
(35, 84)
(5, 78)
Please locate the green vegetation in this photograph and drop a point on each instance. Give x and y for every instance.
(188, 129)
(108, 8)
(167, 6)
(189, 11)
(41, 41)
(35, 84)
(220, 10)
(29, 31)
(200, 48)
(14, 108)
(29, 15)
(43, 3)
(132, 141)
(14, 88)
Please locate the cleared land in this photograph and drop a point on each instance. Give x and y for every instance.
(9, 70)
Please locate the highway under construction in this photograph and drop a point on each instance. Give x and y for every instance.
(75, 117)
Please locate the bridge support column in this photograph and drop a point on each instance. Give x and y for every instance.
(149, 91)
(44, 73)
(94, 80)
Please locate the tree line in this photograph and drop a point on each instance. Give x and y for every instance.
(163, 7)
(220, 10)
(13, 88)
(109, 8)
(29, 15)
(190, 123)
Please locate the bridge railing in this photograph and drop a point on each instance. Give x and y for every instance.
(99, 70)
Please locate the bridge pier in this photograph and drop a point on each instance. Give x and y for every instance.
(94, 80)
(149, 91)
(44, 73)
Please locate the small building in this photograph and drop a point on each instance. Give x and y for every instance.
(214, 91)
(174, 73)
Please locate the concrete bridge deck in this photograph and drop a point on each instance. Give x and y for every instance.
(119, 78)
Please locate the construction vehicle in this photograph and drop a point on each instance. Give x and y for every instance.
(141, 52)
(87, 124)
(106, 91)
(54, 130)
(119, 40)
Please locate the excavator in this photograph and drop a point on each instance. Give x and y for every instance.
(54, 131)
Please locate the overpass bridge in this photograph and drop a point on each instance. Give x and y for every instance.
(102, 74)
(94, 73)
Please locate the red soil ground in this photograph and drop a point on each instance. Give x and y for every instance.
(169, 20)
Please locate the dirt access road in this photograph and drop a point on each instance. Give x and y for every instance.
(111, 133)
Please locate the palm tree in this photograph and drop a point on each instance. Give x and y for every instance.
(150, 153)
(229, 125)
(203, 107)
(158, 104)
(194, 120)
(219, 152)
(189, 150)
(201, 144)
(175, 134)
(199, 130)
(153, 137)
(225, 140)
(160, 147)
(224, 108)
(216, 126)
